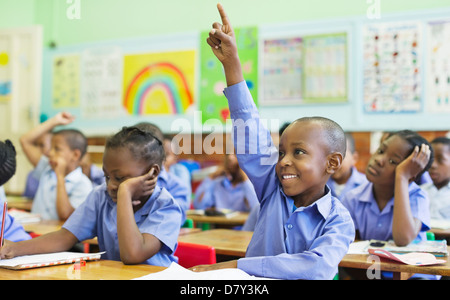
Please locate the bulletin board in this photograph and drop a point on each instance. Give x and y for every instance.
(366, 74)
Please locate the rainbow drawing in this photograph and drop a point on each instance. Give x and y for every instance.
(159, 88)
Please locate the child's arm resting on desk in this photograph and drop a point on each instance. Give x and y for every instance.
(57, 241)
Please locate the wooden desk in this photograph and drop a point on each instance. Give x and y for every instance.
(225, 241)
(94, 270)
(441, 233)
(235, 220)
(19, 202)
(401, 271)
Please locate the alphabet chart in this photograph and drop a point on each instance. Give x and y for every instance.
(392, 67)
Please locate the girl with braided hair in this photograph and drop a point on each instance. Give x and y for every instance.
(13, 230)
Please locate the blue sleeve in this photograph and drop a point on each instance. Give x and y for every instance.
(253, 144)
(319, 262)
(83, 221)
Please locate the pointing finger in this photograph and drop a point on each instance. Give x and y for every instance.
(223, 15)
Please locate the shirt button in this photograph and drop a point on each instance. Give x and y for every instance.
(290, 226)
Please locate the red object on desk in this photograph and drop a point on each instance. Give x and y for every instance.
(190, 255)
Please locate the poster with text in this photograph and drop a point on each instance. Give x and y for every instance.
(392, 67)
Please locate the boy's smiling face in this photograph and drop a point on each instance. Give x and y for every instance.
(302, 162)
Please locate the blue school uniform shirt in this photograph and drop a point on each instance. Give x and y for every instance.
(180, 190)
(13, 230)
(288, 242)
(375, 224)
(78, 187)
(221, 194)
(97, 217)
(355, 180)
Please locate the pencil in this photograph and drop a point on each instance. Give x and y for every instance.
(5, 206)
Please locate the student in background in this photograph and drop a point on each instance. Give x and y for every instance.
(94, 173)
(172, 165)
(44, 143)
(134, 220)
(227, 188)
(390, 205)
(179, 189)
(62, 184)
(302, 231)
(13, 231)
(347, 177)
(422, 179)
(439, 190)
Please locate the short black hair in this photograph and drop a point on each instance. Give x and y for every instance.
(142, 144)
(75, 139)
(414, 139)
(7, 161)
(441, 140)
(334, 134)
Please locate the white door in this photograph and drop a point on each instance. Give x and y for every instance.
(20, 92)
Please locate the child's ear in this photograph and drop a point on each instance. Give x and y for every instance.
(155, 169)
(77, 155)
(334, 161)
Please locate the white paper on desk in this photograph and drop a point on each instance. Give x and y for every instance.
(359, 247)
(43, 259)
(177, 272)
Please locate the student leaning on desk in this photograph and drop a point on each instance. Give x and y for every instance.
(134, 220)
(302, 231)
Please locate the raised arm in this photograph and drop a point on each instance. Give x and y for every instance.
(223, 44)
(28, 140)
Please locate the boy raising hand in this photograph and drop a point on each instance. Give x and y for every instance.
(302, 231)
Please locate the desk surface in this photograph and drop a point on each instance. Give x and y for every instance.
(19, 202)
(225, 241)
(401, 271)
(94, 270)
(234, 220)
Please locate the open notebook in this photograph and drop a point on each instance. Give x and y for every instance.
(45, 260)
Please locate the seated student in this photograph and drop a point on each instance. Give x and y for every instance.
(172, 165)
(12, 230)
(390, 205)
(44, 143)
(227, 188)
(439, 190)
(179, 189)
(62, 184)
(302, 231)
(134, 220)
(347, 177)
(94, 173)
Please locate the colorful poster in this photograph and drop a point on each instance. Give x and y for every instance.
(282, 71)
(213, 103)
(101, 83)
(66, 82)
(5, 75)
(325, 68)
(438, 73)
(159, 83)
(392, 67)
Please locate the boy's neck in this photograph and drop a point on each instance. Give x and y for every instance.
(441, 184)
(306, 200)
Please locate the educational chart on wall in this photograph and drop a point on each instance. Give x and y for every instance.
(66, 82)
(101, 83)
(282, 71)
(212, 102)
(438, 64)
(392, 67)
(159, 83)
(307, 69)
(325, 68)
